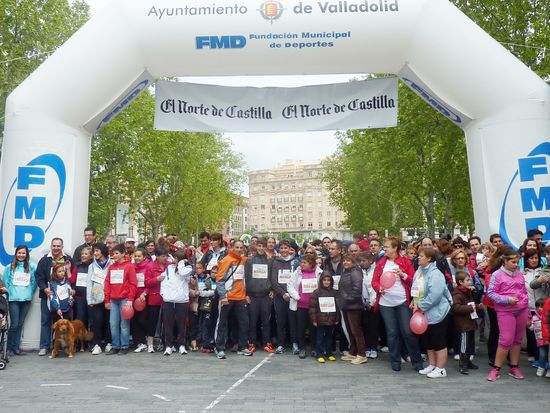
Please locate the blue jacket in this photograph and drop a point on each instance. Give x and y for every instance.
(437, 300)
(55, 302)
(18, 292)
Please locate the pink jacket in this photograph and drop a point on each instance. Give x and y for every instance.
(505, 285)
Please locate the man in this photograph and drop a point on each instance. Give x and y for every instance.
(373, 234)
(496, 240)
(354, 250)
(334, 263)
(326, 244)
(110, 241)
(204, 245)
(89, 240)
(375, 246)
(43, 273)
(233, 299)
(270, 252)
(440, 260)
(258, 290)
(475, 244)
(280, 271)
(537, 235)
(130, 247)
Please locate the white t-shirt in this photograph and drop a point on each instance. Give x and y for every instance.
(395, 295)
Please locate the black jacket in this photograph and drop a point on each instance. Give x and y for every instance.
(350, 289)
(278, 264)
(43, 272)
(257, 287)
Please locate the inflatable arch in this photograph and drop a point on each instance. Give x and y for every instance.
(501, 105)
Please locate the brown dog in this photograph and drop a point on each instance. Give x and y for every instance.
(80, 334)
(63, 335)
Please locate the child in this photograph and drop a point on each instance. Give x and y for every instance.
(120, 290)
(508, 292)
(61, 301)
(206, 298)
(174, 290)
(194, 294)
(324, 314)
(536, 328)
(465, 314)
(138, 323)
(545, 324)
(304, 280)
(531, 268)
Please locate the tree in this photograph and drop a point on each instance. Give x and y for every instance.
(173, 181)
(30, 31)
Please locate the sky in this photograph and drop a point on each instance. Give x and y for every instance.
(267, 150)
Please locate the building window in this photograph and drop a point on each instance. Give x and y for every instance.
(310, 225)
(328, 223)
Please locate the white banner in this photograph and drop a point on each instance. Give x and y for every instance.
(207, 108)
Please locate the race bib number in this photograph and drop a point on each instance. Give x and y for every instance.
(117, 276)
(309, 285)
(63, 292)
(140, 280)
(327, 304)
(537, 326)
(202, 285)
(21, 279)
(336, 279)
(284, 276)
(239, 273)
(259, 271)
(415, 289)
(98, 277)
(81, 279)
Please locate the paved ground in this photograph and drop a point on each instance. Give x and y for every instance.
(262, 383)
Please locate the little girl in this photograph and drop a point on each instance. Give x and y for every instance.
(206, 298)
(536, 328)
(508, 292)
(61, 301)
(138, 324)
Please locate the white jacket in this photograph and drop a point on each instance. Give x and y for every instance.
(293, 286)
(175, 286)
(368, 293)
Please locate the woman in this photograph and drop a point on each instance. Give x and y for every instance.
(150, 248)
(531, 271)
(432, 297)
(393, 304)
(531, 243)
(79, 282)
(351, 303)
(153, 277)
(95, 296)
(20, 283)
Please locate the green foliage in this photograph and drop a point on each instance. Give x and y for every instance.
(29, 31)
(174, 182)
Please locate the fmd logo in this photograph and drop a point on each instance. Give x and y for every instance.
(527, 202)
(220, 42)
(32, 203)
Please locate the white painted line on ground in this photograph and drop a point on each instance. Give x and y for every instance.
(55, 384)
(117, 387)
(158, 396)
(236, 384)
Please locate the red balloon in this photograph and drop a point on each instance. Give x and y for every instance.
(418, 323)
(127, 311)
(139, 304)
(387, 280)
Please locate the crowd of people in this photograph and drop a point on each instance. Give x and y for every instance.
(322, 299)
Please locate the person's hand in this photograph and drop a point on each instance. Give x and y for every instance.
(71, 303)
(513, 300)
(471, 288)
(107, 306)
(381, 291)
(315, 324)
(415, 307)
(544, 279)
(3, 290)
(247, 299)
(224, 301)
(399, 273)
(368, 307)
(286, 297)
(143, 296)
(47, 291)
(73, 292)
(483, 265)
(529, 322)
(59, 313)
(161, 278)
(271, 294)
(480, 307)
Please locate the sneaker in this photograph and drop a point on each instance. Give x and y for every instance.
(252, 348)
(516, 373)
(182, 350)
(302, 354)
(321, 360)
(547, 375)
(295, 349)
(530, 359)
(42, 352)
(348, 357)
(457, 357)
(168, 351)
(221, 355)
(150, 348)
(373, 354)
(244, 352)
(140, 348)
(494, 374)
(269, 348)
(427, 370)
(359, 360)
(540, 372)
(280, 350)
(112, 351)
(332, 358)
(345, 353)
(123, 352)
(108, 347)
(96, 350)
(437, 373)
(385, 349)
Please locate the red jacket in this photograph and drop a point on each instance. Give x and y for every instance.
(486, 300)
(127, 288)
(152, 284)
(404, 265)
(364, 244)
(545, 318)
(141, 269)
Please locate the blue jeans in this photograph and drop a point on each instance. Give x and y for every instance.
(205, 330)
(18, 312)
(397, 321)
(323, 341)
(120, 328)
(45, 325)
(543, 355)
